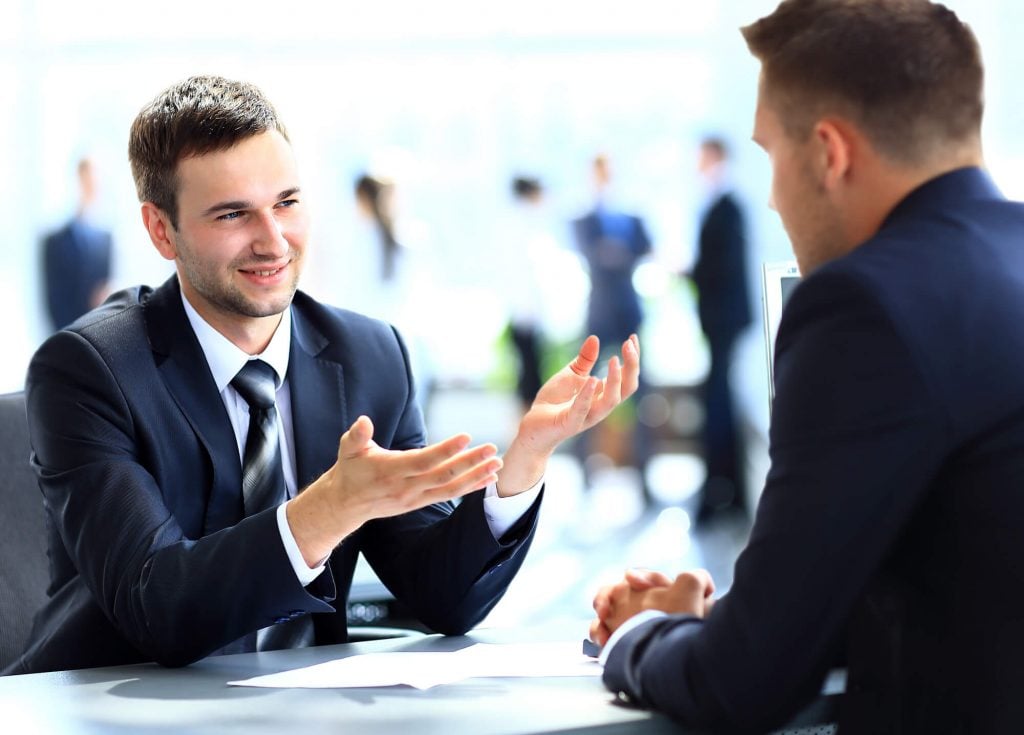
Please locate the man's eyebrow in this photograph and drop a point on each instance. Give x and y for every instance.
(227, 207)
(236, 204)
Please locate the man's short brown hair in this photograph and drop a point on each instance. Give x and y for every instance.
(907, 72)
(199, 115)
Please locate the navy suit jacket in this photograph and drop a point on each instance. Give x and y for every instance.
(612, 243)
(720, 272)
(891, 527)
(76, 261)
(150, 556)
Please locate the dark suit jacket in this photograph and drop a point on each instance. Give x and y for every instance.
(76, 261)
(891, 527)
(720, 272)
(612, 244)
(150, 556)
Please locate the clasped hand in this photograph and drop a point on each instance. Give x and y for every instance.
(689, 593)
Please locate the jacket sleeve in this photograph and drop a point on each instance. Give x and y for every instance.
(173, 598)
(856, 436)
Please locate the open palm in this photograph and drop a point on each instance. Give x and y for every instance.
(573, 400)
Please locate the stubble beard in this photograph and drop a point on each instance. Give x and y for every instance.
(228, 297)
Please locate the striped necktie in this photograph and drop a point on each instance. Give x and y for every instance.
(263, 483)
(262, 476)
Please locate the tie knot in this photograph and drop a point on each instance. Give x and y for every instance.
(256, 382)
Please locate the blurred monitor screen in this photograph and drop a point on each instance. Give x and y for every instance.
(779, 280)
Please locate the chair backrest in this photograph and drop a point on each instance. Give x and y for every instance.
(24, 568)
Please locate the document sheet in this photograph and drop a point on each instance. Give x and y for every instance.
(426, 669)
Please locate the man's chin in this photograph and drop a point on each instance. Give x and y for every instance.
(266, 307)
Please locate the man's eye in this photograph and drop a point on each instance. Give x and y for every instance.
(230, 216)
(288, 202)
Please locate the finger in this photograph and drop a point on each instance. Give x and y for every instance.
(631, 367)
(602, 603)
(581, 405)
(642, 579)
(455, 467)
(610, 394)
(418, 461)
(619, 592)
(357, 438)
(599, 632)
(709, 585)
(472, 480)
(696, 583)
(696, 589)
(585, 360)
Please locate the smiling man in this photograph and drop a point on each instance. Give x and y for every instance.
(890, 532)
(215, 453)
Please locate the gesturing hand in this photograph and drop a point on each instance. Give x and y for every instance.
(571, 401)
(370, 482)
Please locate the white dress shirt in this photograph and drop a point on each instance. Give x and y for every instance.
(225, 360)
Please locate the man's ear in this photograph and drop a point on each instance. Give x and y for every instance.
(158, 225)
(835, 143)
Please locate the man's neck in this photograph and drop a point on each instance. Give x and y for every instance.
(249, 334)
(888, 185)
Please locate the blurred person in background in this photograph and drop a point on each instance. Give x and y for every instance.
(612, 243)
(77, 257)
(723, 305)
(374, 197)
(527, 239)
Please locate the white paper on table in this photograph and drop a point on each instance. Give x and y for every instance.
(426, 669)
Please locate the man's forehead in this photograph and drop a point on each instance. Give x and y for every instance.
(255, 168)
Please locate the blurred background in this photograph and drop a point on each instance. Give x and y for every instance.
(448, 153)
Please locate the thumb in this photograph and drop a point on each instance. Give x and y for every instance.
(357, 438)
(585, 360)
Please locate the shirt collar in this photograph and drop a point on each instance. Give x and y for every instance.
(226, 359)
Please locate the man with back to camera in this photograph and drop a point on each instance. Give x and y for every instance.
(890, 533)
(170, 457)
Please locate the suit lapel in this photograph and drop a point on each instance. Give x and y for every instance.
(319, 413)
(187, 376)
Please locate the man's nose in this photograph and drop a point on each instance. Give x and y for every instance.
(270, 239)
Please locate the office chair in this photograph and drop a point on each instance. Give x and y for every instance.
(24, 569)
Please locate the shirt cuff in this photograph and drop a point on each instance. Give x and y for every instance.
(634, 622)
(502, 513)
(304, 574)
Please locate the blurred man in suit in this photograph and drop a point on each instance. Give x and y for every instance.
(723, 305)
(215, 453)
(76, 258)
(890, 533)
